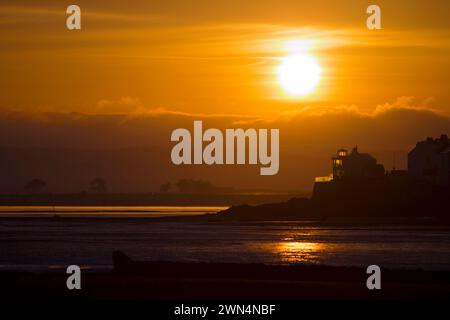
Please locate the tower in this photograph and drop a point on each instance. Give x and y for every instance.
(338, 162)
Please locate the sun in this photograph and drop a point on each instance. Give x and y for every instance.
(299, 74)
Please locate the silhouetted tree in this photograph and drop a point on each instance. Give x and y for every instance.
(165, 187)
(35, 186)
(98, 185)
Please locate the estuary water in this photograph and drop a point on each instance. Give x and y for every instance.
(39, 244)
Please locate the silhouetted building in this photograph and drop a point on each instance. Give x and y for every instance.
(430, 161)
(355, 165)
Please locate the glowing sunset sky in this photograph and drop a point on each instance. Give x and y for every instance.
(219, 56)
(138, 69)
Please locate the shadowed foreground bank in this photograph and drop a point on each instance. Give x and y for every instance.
(187, 281)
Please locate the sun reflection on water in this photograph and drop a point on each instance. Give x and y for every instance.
(299, 252)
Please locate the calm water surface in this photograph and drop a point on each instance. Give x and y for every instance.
(42, 244)
(105, 211)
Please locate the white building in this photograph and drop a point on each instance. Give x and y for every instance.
(429, 160)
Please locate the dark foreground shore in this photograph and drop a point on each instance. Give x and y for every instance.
(217, 281)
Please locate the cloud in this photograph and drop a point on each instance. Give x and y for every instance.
(22, 14)
(409, 103)
(129, 108)
(402, 103)
(138, 123)
(132, 150)
(123, 105)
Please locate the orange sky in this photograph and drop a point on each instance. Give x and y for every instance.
(162, 64)
(219, 56)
